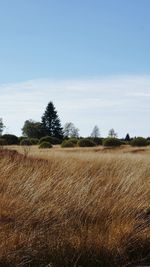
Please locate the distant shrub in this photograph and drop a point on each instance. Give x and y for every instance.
(25, 142)
(45, 145)
(123, 142)
(55, 141)
(74, 140)
(45, 139)
(10, 139)
(20, 138)
(50, 139)
(86, 142)
(97, 140)
(148, 142)
(148, 138)
(2, 142)
(67, 143)
(139, 141)
(112, 141)
(34, 141)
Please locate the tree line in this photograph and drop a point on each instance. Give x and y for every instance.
(50, 127)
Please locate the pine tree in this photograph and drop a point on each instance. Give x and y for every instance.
(51, 122)
(127, 138)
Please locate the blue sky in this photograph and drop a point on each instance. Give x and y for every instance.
(90, 57)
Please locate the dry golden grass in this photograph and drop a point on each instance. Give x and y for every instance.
(80, 207)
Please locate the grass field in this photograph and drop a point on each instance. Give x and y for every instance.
(74, 207)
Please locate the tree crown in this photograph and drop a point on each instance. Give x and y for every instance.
(51, 123)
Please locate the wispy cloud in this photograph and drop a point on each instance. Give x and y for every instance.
(140, 94)
(121, 102)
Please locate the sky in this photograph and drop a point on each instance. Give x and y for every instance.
(90, 57)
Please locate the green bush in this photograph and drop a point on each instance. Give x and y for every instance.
(74, 141)
(50, 139)
(67, 143)
(20, 138)
(55, 141)
(10, 139)
(148, 142)
(139, 141)
(125, 142)
(86, 142)
(34, 141)
(3, 142)
(25, 142)
(97, 140)
(45, 145)
(112, 141)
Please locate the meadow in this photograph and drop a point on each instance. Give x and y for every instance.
(74, 207)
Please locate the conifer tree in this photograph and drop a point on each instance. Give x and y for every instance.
(127, 138)
(51, 122)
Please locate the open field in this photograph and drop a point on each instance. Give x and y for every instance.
(74, 207)
(83, 151)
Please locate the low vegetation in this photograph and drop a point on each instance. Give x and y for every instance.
(45, 145)
(25, 142)
(112, 141)
(77, 209)
(86, 142)
(139, 141)
(10, 139)
(74, 140)
(50, 139)
(3, 142)
(68, 143)
(34, 141)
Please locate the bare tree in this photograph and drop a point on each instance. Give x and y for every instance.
(95, 132)
(70, 130)
(1, 126)
(112, 133)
